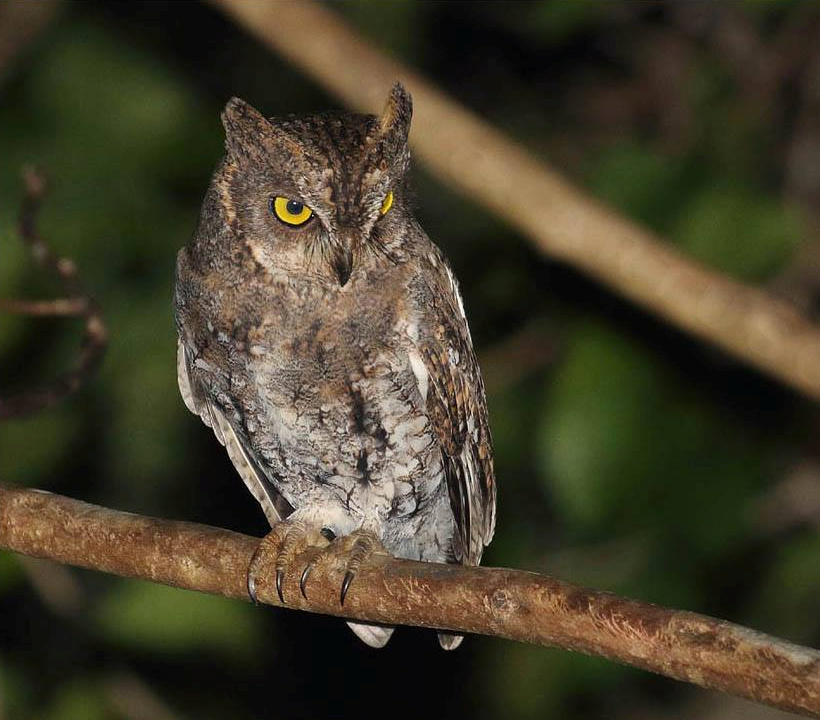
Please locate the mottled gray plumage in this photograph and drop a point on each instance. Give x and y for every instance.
(333, 359)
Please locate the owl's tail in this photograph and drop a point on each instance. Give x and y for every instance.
(374, 635)
(448, 641)
(377, 636)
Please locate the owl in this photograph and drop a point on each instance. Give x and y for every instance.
(322, 337)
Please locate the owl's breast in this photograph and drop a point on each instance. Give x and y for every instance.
(339, 414)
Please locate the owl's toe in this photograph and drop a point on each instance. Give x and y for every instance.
(286, 541)
(359, 546)
(328, 535)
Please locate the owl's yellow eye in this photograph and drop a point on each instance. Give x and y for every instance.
(290, 212)
(387, 203)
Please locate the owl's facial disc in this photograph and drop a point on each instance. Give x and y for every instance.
(330, 185)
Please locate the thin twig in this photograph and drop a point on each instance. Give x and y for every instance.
(59, 307)
(77, 304)
(563, 222)
(503, 603)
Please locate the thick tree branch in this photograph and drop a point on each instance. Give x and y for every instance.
(563, 222)
(503, 603)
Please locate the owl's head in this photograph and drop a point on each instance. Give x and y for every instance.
(316, 195)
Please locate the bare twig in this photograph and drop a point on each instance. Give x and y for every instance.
(77, 304)
(563, 222)
(59, 307)
(510, 604)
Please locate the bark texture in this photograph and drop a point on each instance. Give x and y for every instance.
(511, 604)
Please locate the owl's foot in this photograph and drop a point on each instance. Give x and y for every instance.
(358, 546)
(286, 540)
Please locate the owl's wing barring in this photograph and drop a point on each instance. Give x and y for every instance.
(457, 411)
(273, 504)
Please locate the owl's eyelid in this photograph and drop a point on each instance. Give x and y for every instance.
(289, 195)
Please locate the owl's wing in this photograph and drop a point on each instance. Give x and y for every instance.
(273, 504)
(457, 410)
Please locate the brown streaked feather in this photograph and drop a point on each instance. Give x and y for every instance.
(273, 504)
(457, 411)
(398, 111)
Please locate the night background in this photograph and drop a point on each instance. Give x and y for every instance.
(629, 456)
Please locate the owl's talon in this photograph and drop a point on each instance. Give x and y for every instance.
(303, 579)
(252, 589)
(253, 567)
(280, 577)
(349, 575)
(287, 540)
(363, 544)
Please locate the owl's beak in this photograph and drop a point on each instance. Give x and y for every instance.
(343, 263)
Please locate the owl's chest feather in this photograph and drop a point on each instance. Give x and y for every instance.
(332, 403)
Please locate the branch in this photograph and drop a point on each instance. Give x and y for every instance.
(502, 603)
(76, 304)
(562, 221)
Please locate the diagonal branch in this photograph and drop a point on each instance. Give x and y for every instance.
(77, 303)
(503, 603)
(561, 220)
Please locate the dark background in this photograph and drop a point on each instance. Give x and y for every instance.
(629, 457)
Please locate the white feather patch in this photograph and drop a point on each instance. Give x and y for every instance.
(420, 371)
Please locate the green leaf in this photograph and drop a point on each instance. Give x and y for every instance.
(601, 403)
(559, 22)
(746, 234)
(524, 682)
(787, 603)
(78, 699)
(643, 184)
(623, 448)
(15, 691)
(10, 571)
(151, 617)
(33, 447)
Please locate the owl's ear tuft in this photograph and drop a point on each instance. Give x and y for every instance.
(398, 111)
(245, 127)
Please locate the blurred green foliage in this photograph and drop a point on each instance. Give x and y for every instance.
(152, 617)
(636, 461)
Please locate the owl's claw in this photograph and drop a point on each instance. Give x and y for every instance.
(363, 544)
(287, 540)
(328, 535)
(349, 575)
(303, 579)
(252, 588)
(280, 576)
